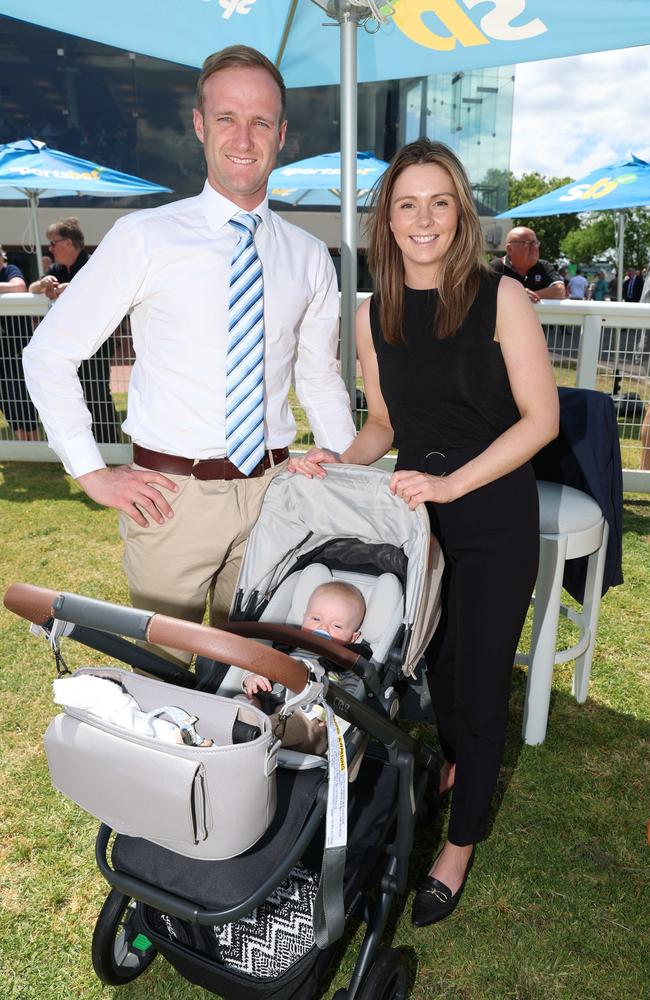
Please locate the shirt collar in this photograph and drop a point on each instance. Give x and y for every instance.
(508, 263)
(219, 210)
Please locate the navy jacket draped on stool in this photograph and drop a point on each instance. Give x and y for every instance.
(586, 455)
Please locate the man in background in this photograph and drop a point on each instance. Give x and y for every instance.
(66, 241)
(632, 286)
(578, 286)
(522, 261)
(15, 331)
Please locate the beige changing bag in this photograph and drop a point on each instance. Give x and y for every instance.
(203, 802)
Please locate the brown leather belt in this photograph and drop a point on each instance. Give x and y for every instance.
(206, 468)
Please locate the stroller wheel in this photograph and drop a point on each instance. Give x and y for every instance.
(386, 979)
(119, 953)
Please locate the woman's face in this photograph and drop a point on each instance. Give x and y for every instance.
(423, 220)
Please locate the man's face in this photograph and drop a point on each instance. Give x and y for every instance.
(62, 249)
(241, 132)
(523, 249)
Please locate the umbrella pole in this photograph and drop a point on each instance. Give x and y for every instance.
(620, 250)
(348, 98)
(32, 197)
(620, 247)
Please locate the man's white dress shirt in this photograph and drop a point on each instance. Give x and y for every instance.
(170, 267)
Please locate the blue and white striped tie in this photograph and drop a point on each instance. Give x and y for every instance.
(245, 357)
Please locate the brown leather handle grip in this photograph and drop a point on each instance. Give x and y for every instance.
(219, 644)
(30, 602)
(36, 605)
(297, 637)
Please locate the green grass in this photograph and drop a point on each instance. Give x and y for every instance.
(554, 908)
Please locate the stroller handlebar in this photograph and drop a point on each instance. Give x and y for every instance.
(298, 638)
(38, 604)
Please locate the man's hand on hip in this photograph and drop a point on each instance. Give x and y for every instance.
(133, 491)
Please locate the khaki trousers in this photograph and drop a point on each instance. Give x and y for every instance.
(172, 567)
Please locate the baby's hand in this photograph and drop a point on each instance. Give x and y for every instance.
(256, 683)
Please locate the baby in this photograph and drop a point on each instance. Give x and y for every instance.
(335, 611)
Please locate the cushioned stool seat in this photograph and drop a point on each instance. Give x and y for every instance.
(571, 525)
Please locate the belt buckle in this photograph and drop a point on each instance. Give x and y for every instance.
(435, 463)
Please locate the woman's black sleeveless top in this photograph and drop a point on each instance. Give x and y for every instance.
(451, 393)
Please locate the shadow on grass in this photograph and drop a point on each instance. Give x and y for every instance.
(635, 516)
(24, 482)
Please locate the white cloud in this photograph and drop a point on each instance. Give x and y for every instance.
(573, 115)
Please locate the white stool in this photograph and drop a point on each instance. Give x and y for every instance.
(571, 525)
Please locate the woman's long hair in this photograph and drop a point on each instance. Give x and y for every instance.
(460, 272)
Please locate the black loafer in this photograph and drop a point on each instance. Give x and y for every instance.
(434, 900)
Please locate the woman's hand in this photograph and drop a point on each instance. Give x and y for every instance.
(311, 464)
(417, 487)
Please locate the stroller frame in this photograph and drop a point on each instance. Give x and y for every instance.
(101, 625)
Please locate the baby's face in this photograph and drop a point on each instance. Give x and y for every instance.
(335, 615)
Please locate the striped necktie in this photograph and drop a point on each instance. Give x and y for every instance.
(245, 357)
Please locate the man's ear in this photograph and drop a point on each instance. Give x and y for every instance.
(197, 120)
(283, 134)
(356, 635)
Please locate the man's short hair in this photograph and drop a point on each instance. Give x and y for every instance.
(239, 55)
(67, 229)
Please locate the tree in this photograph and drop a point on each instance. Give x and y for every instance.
(637, 237)
(593, 239)
(550, 229)
(596, 237)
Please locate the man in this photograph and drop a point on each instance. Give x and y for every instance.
(15, 332)
(189, 501)
(522, 261)
(66, 241)
(632, 286)
(578, 286)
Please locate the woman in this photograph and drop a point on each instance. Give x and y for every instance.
(457, 374)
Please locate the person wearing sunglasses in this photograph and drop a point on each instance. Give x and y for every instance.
(522, 261)
(66, 244)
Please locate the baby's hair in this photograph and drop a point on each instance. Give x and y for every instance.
(339, 588)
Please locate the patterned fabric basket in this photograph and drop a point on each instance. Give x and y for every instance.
(268, 941)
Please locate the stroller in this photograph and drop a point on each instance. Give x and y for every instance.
(245, 879)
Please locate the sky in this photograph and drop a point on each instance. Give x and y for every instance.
(575, 114)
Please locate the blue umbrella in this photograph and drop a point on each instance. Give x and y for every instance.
(317, 180)
(618, 186)
(29, 169)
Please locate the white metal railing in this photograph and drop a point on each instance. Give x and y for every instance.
(593, 345)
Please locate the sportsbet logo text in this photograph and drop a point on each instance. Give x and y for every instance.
(598, 189)
(495, 24)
